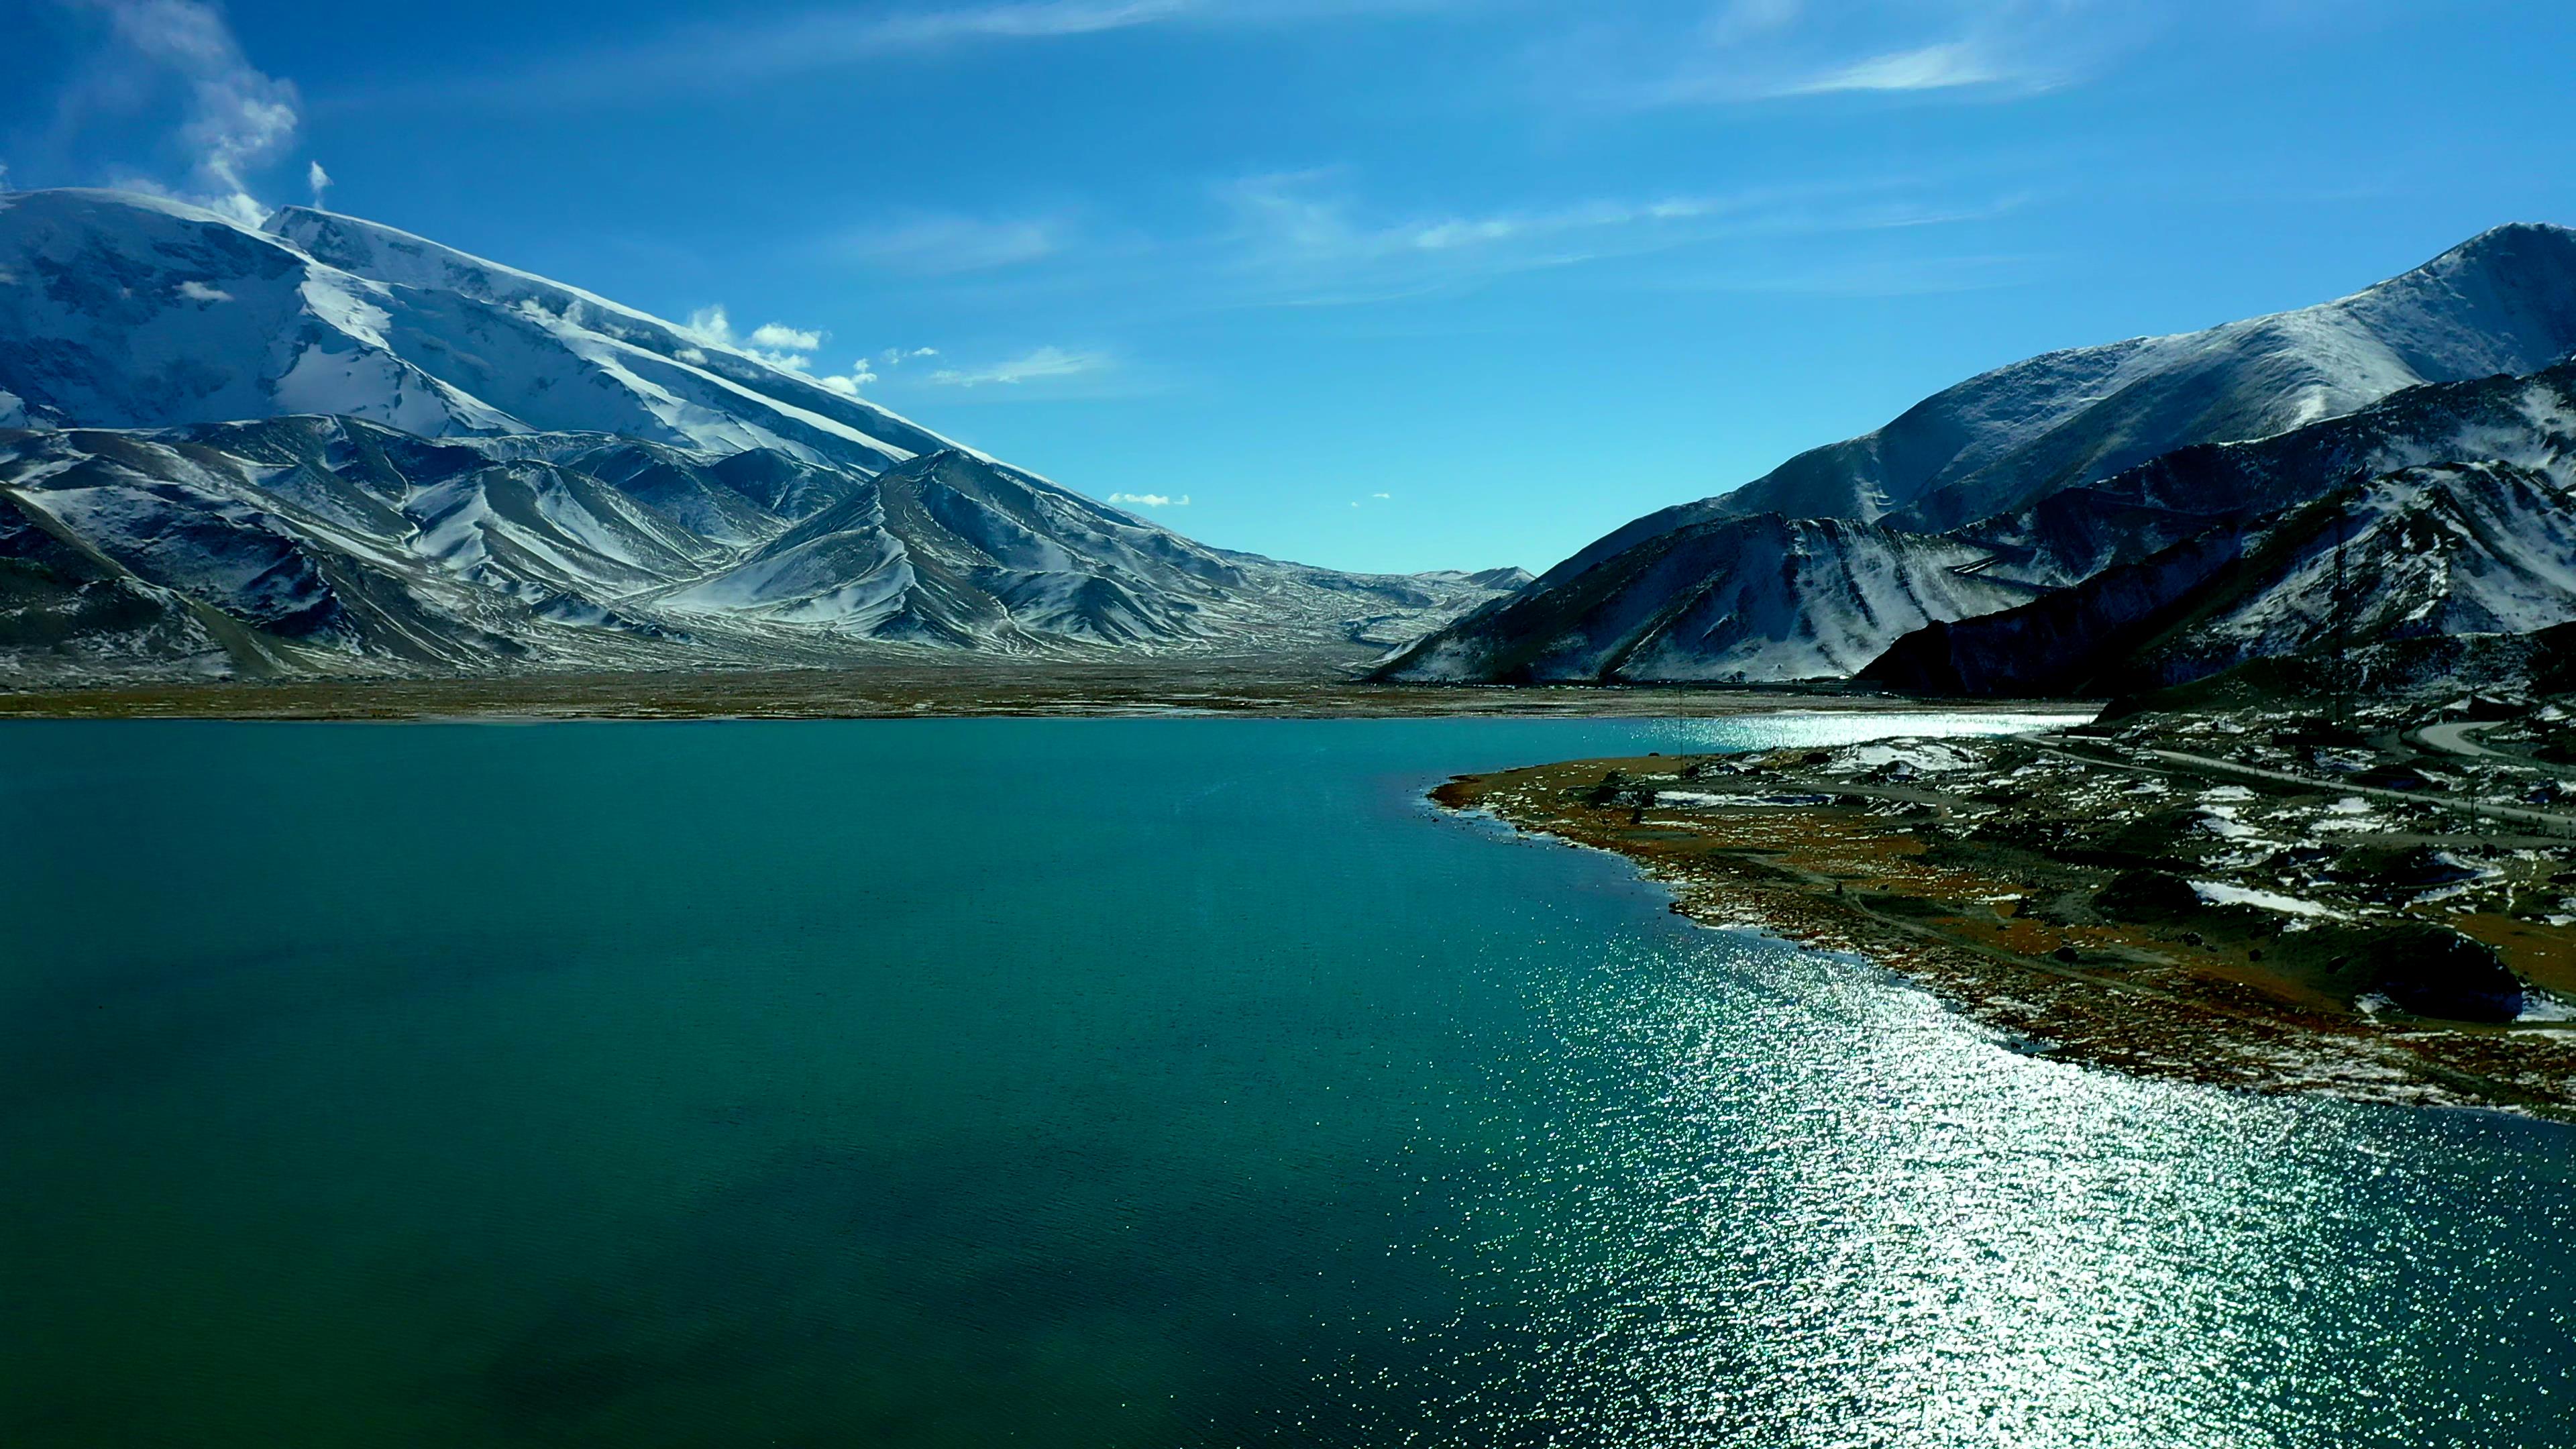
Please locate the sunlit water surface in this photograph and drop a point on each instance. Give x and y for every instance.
(1161, 1082)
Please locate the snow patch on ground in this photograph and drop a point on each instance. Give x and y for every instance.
(2220, 893)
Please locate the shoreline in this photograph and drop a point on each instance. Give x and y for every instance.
(1801, 846)
(948, 690)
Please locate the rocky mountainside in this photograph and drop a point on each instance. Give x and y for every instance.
(2450, 504)
(328, 446)
(2446, 550)
(2528, 422)
(2041, 475)
(1725, 600)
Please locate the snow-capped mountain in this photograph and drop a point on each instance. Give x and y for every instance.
(328, 445)
(2504, 302)
(2042, 474)
(131, 311)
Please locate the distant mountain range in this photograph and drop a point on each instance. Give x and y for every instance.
(330, 447)
(2146, 472)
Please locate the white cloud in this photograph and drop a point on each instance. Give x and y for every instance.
(1045, 362)
(778, 337)
(1149, 500)
(319, 180)
(898, 356)
(860, 375)
(1382, 496)
(775, 343)
(712, 324)
(235, 117)
(196, 291)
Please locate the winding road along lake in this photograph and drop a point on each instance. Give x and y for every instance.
(1119, 1082)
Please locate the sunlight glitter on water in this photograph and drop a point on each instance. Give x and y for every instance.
(1820, 1211)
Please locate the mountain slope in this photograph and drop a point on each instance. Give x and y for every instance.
(1730, 599)
(331, 445)
(2039, 475)
(330, 544)
(130, 311)
(2526, 421)
(2504, 302)
(2447, 549)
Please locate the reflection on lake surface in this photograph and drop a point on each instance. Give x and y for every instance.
(1117, 1082)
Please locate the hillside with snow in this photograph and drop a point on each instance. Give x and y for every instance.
(328, 446)
(2042, 475)
(1727, 600)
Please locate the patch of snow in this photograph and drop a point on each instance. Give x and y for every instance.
(2540, 1006)
(2220, 893)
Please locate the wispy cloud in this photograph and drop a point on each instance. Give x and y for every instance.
(1299, 240)
(1761, 50)
(234, 117)
(1149, 500)
(940, 245)
(822, 39)
(743, 52)
(1043, 364)
(1929, 68)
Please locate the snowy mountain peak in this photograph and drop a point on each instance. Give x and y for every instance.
(2503, 302)
(132, 311)
(677, 377)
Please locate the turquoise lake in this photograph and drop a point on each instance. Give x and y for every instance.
(1162, 1082)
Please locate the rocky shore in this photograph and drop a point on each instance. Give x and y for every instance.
(2380, 909)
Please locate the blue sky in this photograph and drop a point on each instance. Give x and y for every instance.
(1427, 283)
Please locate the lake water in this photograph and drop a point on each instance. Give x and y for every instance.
(1134, 1082)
